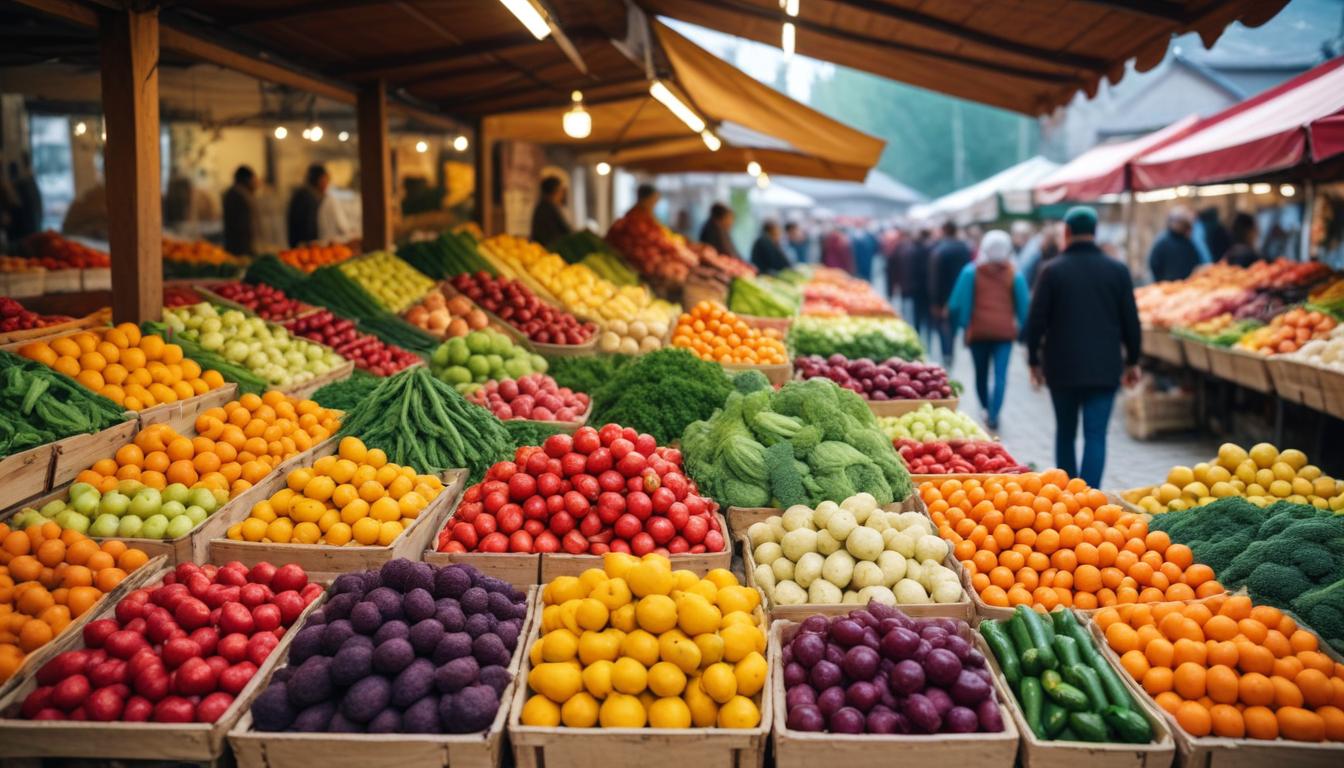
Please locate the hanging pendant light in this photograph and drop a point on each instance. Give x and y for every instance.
(578, 124)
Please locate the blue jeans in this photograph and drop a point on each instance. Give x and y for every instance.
(947, 338)
(1095, 404)
(991, 394)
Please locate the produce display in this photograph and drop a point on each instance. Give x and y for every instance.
(309, 257)
(602, 490)
(853, 552)
(1222, 330)
(526, 433)
(452, 253)
(1287, 555)
(951, 457)
(714, 333)
(1262, 475)
(723, 267)
(212, 360)
(132, 370)
(879, 671)
(53, 251)
(367, 352)
(1325, 352)
(637, 644)
(177, 652)
(653, 249)
(419, 421)
(1287, 332)
(1246, 292)
(587, 373)
(1329, 295)
(823, 445)
(355, 497)
(466, 362)
(394, 283)
(132, 510)
(445, 317)
(1045, 540)
(660, 393)
(17, 265)
(198, 259)
(876, 338)
(50, 578)
(13, 317)
(1231, 668)
(632, 338)
(930, 424)
(763, 296)
(266, 350)
(333, 289)
(1066, 688)
(345, 394)
(267, 302)
(517, 305)
(891, 379)
(178, 295)
(535, 396)
(831, 292)
(408, 648)
(38, 406)
(221, 455)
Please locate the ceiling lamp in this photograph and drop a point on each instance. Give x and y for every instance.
(754, 168)
(530, 16)
(603, 168)
(81, 128)
(307, 133)
(460, 143)
(421, 146)
(786, 41)
(578, 124)
(711, 140)
(677, 107)
(763, 180)
(281, 132)
(315, 133)
(343, 136)
(1287, 190)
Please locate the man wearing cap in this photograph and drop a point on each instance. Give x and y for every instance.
(1083, 341)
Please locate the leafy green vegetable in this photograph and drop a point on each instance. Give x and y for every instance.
(524, 432)
(584, 373)
(876, 338)
(346, 394)
(660, 393)
(763, 296)
(39, 405)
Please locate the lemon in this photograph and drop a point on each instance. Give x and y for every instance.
(719, 682)
(1293, 458)
(696, 615)
(670, 712)
(706, 589)
(1264, 477)
(1297, 499)
(534, 652)
(597, 678)
(1264, 455)
(1302, 486)
(1310, 472)
(656, 613)
(704, 710)
(640, 646)
(1324, 486)
(596, 646)
(569, 616)
(666, 679)
(559, 645)
(591, 613)
(1196, 489)
(1245, 471)
(1217, 474)
(616, 564)
(622, 711)
(1231, 455)
(685, 579)
(580, 711)
(1336, 503)
(740, 640)
(722, 577)
(1255, 489)
(650, 577)
(1282, 471)
(562, 589)
(623, 618)
(750, 673)
(1179, 476)
(1201, 471)
(1222, 490)
(739, 712)
(612, 593)
(629, 676)
(550, 618)
(681, 651)
(1178, 505)
(733, 597)
(1281, 488)
(556, 681)
(711, 648)
(591, 577)
(539, 710)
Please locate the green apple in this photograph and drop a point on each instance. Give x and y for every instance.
(27, 517)
(52, 508)
(129, 526)
(114, 503)
(178, 527)
(71, 520)
(154, 527)
(105, 525)
(171, 509)
(146, 502)
(203, 498)
(129, 487)
(80, 489)
(86, 503)
(176, 492)
(221, 496)
(196, 514)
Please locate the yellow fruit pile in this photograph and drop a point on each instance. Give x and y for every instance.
(636, 643)
(354, 498)
(1262, 476)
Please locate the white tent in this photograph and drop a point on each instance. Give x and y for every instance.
(1006, 193)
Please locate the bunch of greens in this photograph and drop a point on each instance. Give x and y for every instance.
(660, 393)
(809, 442)
(420, 421)
(346, 394)
(525, 432)
(1287, 555)
(876, 338)
(39, 405)
(584, 373)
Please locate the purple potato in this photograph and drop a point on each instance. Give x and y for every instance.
(970, 689)
(825, 674)
(860, 663)
(961, 720)
(846, 720)
(800, 695)
(990, 716)
(942, 666)
(847, 632)
(808, 649)
(922, 714)
(806, 718)
(794, 674)
(940, 698)
(863, 695)
(899, 643)
(831, 699)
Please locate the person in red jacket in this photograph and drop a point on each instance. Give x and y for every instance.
(990, 301)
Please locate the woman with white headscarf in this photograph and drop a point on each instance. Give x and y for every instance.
(990, 301)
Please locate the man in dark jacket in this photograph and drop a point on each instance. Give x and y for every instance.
(548, 220)
(718, 230)
(916, 289)
(949, 256)
(1174, 255)
(303, 206)
(1082, 341)
(240, 213)
(766, 255)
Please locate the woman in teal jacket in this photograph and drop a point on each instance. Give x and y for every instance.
(990, 301)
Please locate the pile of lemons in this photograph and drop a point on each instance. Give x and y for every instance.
(637, 644)
(1262, 475)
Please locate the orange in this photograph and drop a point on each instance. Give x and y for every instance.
(1194, 719)
(1223, 686)
(108, 578)
(1190, 680)
(1299, 724)
(1157, 680)
(1315, 687)
(1286, 692)
(1334, 722)
(1227, 721)
(1160, 653)
(1135, 663)
(1123, 639)
(1260, 723)
(34, 634)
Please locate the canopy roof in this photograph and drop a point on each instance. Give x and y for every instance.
(1296, 123)
(1006, 192)
(1025, 56)
(1103, 170)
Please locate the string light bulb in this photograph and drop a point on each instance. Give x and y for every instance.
(603, 168)
(460, 143)
(315, 133)
(754, 168)
(281, 132)
(422, 146)
(343, 136)
(578, 124)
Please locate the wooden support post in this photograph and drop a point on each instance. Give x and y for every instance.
(375, 166)
(129, 46)
(485, 179)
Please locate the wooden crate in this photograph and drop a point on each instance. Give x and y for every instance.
(778, 374)
(1221, 363)
(565, 564)
(1216, 752)
(26, 474)
(1044, 753)
(77, 453)
(560, 747)
(799, 749)
(72, 636)
(1297, 381)
(15, 339)
(1196, 355)
(741, 518)
(66, 280)
(1332, 390)
(882, 408)
(326, 558)
(1250, 370)
(1149, 413)
(214, 298)
(266, 749)
(172, 742)
(95, 279)
(1162, 345)
(780, 324)
(181, 416)
(32, 281)
(519, 569)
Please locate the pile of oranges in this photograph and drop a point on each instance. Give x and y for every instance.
(234, 448)
(1288, 332)
(132, 370)
(1046, 540)
(355, 497)
(198, 252)
(48, 578)
(310, 257)
(1226, 667)
(715, 334)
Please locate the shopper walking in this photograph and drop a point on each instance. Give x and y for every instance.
(1083, 341)
(917, 289)
(304, 206)
(766, 254)
(990, 301)
(795, 243)
(1174, 255)
(950, 256)
(549, 222)
(241, 217)
(1245, 236)
(718, 230)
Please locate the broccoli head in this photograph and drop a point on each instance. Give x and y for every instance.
(786, 483)
(749, 381)
(1323, 610)
(1277, 584)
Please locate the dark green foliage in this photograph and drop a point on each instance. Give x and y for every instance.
(525, 432)
(39, 405)
(346, 394)
(585, 373)
(660, 393)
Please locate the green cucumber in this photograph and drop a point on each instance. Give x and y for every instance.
(1054, 719)
(1036, 632)
(1066, 648)
(996, 637)
(1085, 679)
(1063, 694)
(1032, 698)
(1116, 692)
(1067, 624)
(1018, 632)
(1130, 726)
(1089, 726)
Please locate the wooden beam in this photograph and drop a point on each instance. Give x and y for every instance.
(253, 17)
(252, 64)
(70, 10)
(129, 42)
(485, 178)
(1162, 10)
(375, 166)
(388, 65)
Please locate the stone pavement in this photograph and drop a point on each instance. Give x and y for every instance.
(1027, 429)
